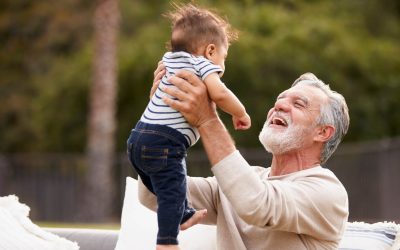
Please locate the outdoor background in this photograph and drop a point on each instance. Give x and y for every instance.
(75, 77)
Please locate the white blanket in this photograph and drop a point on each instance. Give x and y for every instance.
(19, 233)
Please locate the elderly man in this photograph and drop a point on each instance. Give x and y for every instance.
(293, 204)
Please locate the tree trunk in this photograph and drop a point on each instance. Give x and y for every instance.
(100, 184)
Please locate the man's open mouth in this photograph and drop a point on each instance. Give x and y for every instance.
(278, 121)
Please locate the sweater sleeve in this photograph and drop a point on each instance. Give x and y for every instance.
(202, 194)
(298, 205)
(147, 198)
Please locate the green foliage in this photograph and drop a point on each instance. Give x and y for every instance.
(277, 44)
(46, 70)
(139, 56)
(60, 108)
(34, 37)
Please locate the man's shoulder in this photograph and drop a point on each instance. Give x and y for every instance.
(326, 180)
(317, 175)
(317, 170)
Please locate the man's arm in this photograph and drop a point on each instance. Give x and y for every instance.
(296, 204)
(192, 95)
(202, 194)
(216, 140)
(146, 198)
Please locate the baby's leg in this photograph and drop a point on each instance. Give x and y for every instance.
(169, 184)
(170, 208)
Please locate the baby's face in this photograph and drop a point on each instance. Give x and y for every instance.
(219, 57)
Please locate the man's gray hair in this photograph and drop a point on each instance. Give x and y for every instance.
(335, 112)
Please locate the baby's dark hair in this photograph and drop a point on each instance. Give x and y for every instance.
(193, 27)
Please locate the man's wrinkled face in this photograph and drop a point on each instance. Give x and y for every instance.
(291, 122)
(278, 141)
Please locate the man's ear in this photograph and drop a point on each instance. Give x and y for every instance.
(210, 50)
(324, 133)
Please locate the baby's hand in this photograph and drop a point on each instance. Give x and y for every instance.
(241, 123)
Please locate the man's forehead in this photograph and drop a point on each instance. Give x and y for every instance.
(304, 92)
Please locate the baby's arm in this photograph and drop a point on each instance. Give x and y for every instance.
(227, 101)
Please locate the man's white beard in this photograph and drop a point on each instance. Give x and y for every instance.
(278, 142)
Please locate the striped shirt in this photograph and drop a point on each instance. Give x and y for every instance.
(157, 112)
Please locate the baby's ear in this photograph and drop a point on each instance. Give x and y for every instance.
(210, 50)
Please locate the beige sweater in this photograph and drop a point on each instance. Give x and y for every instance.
(303, 210)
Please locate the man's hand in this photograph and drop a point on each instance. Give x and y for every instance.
(195, 105)
(158, 74)
(193, 101)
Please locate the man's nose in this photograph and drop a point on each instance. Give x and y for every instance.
(281, 105)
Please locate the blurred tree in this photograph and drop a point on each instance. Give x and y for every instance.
(352, 45)
(33, 37)
(102, 122)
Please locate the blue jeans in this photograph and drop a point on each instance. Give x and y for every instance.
(157, 153)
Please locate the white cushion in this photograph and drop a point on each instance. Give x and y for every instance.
(139, 227)
(366, 236)
(18, 231)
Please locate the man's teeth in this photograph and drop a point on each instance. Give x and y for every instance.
(279, 121)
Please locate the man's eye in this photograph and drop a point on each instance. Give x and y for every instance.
(299, 104)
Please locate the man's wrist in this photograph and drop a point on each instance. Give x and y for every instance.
(216, 140)
(205, 123)
(210, 124)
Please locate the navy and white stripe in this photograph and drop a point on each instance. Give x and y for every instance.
(157, 112)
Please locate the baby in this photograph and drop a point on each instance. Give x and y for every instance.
(158, 144)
